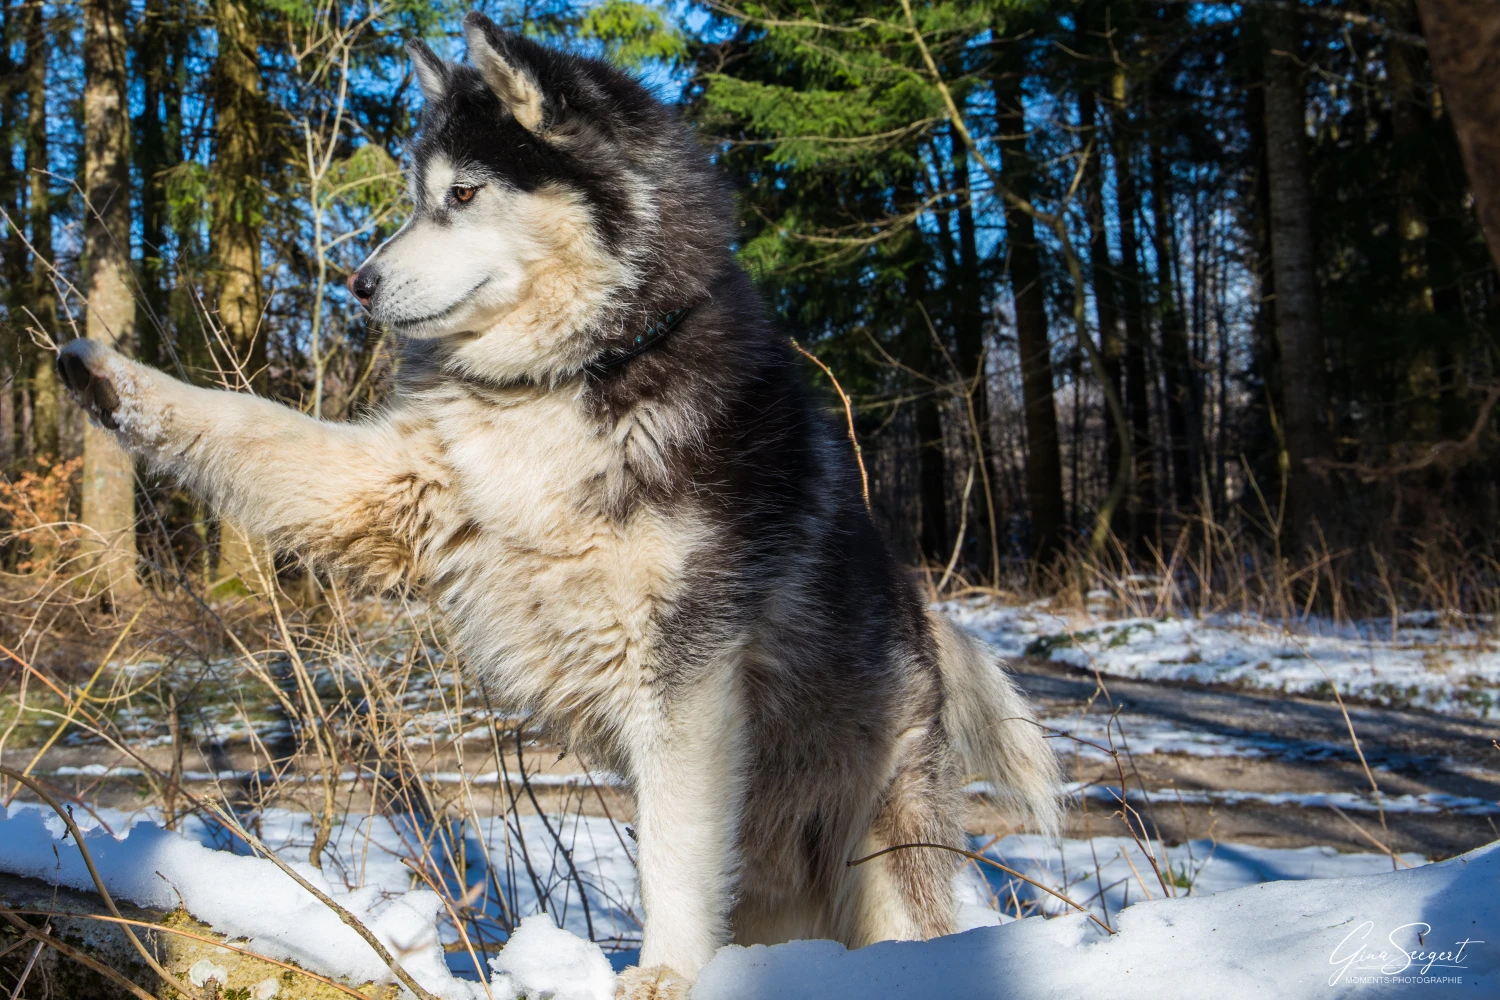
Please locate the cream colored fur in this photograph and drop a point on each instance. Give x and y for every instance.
(533, 575)
(994, 730)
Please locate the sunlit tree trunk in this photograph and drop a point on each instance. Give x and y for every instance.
(108, 473)
(236, 195)
(1463, 39)
(1299, 334)
(234, 230)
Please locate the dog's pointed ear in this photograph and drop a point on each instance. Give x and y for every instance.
(433, 73)
(493, 53)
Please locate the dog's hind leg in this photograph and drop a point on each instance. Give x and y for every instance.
(908, 893)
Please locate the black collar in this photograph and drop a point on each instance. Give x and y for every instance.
(654, 334)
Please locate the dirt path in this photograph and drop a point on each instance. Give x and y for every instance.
(1194, 740)
(1218, 739)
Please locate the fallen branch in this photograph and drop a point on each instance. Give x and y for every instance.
(68, 951)
(1441, 452)
(217, 943)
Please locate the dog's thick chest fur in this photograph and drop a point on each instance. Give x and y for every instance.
(555, 587)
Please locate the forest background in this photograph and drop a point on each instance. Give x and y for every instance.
(1124, 287)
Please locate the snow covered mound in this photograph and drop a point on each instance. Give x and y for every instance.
(1425, 665)
(1397, 934)
(241, 897)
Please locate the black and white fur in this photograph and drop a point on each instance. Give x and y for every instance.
(666, 559)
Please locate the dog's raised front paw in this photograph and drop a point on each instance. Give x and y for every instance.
(84, 367)
(655, 982)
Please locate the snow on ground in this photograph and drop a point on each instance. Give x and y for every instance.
(1107, 874)
(249, 897)
(1406, 933)
(1240, 913)
(1431, 802)
(241, 897)
(1141, 735)
(1427, 664)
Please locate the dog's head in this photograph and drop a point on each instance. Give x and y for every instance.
(542, 183)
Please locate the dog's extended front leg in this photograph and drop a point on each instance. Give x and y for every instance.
(689, 771)
(358, 496)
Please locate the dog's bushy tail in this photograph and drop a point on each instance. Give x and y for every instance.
(994, 730)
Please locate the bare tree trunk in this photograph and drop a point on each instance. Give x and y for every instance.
(969, 336)
(1463, 42)
(1423, 380)
(1106, 295)
(1044, 491)
(1175, 356)
(108, 473)
(932, 463)
(151, 159)
(1138, 403)
(42, 294)
(13, 252)
(1304, 383)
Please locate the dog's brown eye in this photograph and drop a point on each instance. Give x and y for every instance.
(462, 194)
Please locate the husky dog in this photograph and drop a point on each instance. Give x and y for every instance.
(605, 465)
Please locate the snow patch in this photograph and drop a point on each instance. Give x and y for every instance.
(242, 897)
(1397, 933)
(542, 961)
(1426, 664)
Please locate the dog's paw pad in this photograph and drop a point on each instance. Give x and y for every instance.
(83, 367)
(656, 982)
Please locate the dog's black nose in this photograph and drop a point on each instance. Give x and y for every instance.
(363, 284)
(75, 374)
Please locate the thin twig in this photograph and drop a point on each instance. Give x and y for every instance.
(988, 861)
(864, 477)
(1384, 849)
(963, 524)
